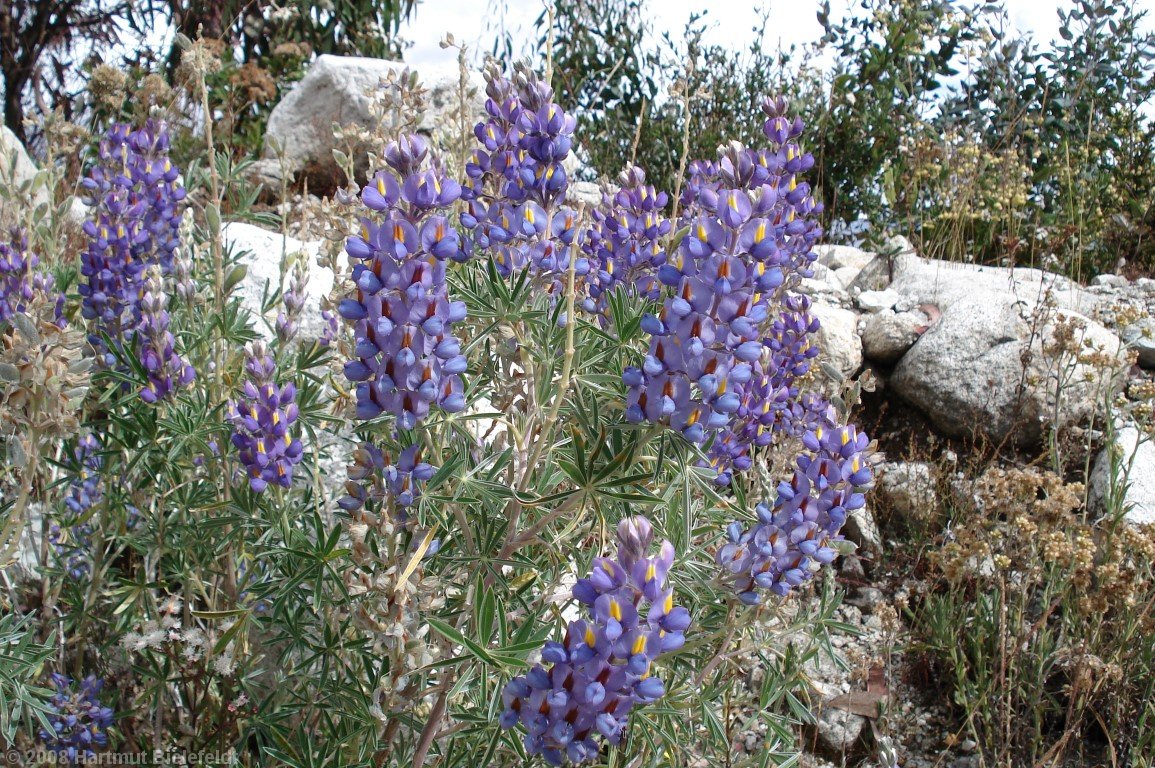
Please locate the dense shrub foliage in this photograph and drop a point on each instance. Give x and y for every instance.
(934, 120)
(523, 390)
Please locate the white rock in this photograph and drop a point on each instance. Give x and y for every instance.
(587, 192)
(983, 369)
(261, 251)
(15, 158)
(842, 256)
(838, 337)
(845, 276)
(337, 89)
(931, 281)
(1129, 473)
(877, 301)
(886, 336)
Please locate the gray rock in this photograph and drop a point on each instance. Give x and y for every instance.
(261, 251)
(838, 337)
(838, 731)
(1109, 281)
(336, 90)
(886, 336)
(1124, 472)
(866, 598)
(1140, 336)
(907, 489)
(985, 368)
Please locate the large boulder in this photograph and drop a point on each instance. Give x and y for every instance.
(261, 252)
(338, 90)
(1126, 467)
(990, 363)
(915, 280)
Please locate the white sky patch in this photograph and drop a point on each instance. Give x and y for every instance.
(731, 24)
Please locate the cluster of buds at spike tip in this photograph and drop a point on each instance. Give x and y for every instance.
(516, 182)
(71, 536)
(20, 277)
(799, 534)
(135, 196)
(262, 418)
(625, 243)
(730, 339)
(407, 358)
(78, 722)
(288, 320)
(582, 692)
(165, 370)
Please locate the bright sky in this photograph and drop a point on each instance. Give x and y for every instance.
(791, 21)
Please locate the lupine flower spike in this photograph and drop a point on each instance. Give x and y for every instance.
(79, 722)
(155, 345)
(720, 364)
(20, 278)
(582, 692)
(262, 419)
(799, 533)
(135, 196)
(516, 186)
(407, 357)
(71, 541)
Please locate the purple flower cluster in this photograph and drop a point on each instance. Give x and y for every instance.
(604, 666)
(135, 196)
(79, 722)
(261, 421)
(375, 479)
(625, 244)
(800, 533)
(517, 182)
(407, 358)
(20, 278)
(730, 340)
(85, 491)
(155, 345)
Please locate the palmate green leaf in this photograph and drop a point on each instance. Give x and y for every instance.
(471, 647)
